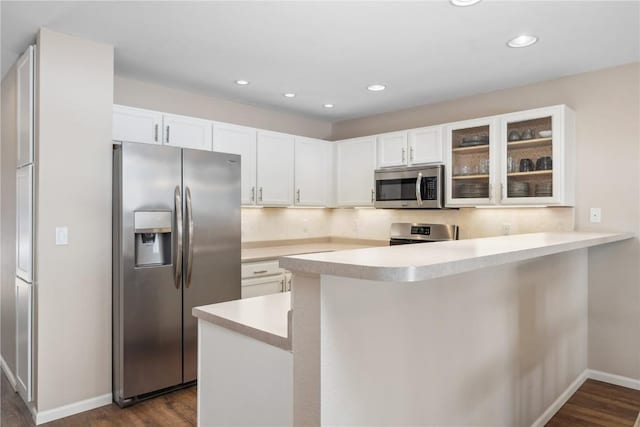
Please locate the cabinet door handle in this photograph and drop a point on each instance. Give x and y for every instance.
(298, 196)
(282, 288)
(403, 155)
(502, 191)
(260, 272)
(253, 194)
(260, 196)
(411, 154)
(155, 132)
(167, 134)
(373, 196)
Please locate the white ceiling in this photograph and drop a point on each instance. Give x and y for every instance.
(328, 52)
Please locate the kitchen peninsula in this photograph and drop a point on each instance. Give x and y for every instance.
(410, 334)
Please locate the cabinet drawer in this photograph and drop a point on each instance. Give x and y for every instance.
(263, 286)
(260, 269)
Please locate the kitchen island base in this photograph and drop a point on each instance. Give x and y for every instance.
(493, 346)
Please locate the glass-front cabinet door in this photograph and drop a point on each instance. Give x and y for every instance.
(532, 157)
(471, 148)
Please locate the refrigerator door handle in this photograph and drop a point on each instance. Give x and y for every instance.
(178, 255)
(189, 212)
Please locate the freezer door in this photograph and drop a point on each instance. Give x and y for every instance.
(212, 239)
(147, 281)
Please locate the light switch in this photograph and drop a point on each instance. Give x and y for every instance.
(595, 215)
(62, 236)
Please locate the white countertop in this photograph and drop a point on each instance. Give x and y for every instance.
(411, 263)
(274, 252)
(264, 318)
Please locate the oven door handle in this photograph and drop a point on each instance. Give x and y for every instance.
(419, 189)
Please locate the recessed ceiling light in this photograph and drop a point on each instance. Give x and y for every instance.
(289, 95)
(523, 40)
(376, 87)
(242, 82)
(463, 3)
(328, 105)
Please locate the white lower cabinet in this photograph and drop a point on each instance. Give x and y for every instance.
(275, 169)
(264, 278)
(239, 140)
(355, 165)
(262, 286)
(187, 132)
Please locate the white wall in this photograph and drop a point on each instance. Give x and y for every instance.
(74, 109)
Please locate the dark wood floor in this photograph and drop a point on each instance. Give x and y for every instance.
(174, 409)
(595, 404)
(599, 404)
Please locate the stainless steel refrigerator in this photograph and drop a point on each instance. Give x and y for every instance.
(176, 245)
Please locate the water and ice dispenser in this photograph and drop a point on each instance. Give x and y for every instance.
(152, 238)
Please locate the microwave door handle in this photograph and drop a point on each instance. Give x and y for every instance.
(419, 189)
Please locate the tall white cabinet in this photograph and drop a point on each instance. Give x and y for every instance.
(239, 140)
(275, 168)
(355, 164)
(24, 290)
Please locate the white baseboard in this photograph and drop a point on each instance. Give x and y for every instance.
(8, 373)
(561, 400)
(614, 379)
(71, 409)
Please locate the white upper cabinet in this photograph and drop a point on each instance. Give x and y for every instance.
(25, 76)
(187, 132)
(471, 175)
(275, 169)
(136, 125)
(426, 145)
(392, 149)
(523, 158)
(537, 157)
(242, 141)
(355, 165)
(312, 172)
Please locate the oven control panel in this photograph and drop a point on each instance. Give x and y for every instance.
(421, 230)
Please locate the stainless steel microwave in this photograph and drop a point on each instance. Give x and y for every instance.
(418, 187)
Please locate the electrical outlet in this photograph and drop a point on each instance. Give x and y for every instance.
(506, 228)
(595, 215)
(62, 236)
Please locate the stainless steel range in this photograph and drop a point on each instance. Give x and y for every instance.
(405, 233)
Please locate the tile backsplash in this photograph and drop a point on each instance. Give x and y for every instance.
(259, 224)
